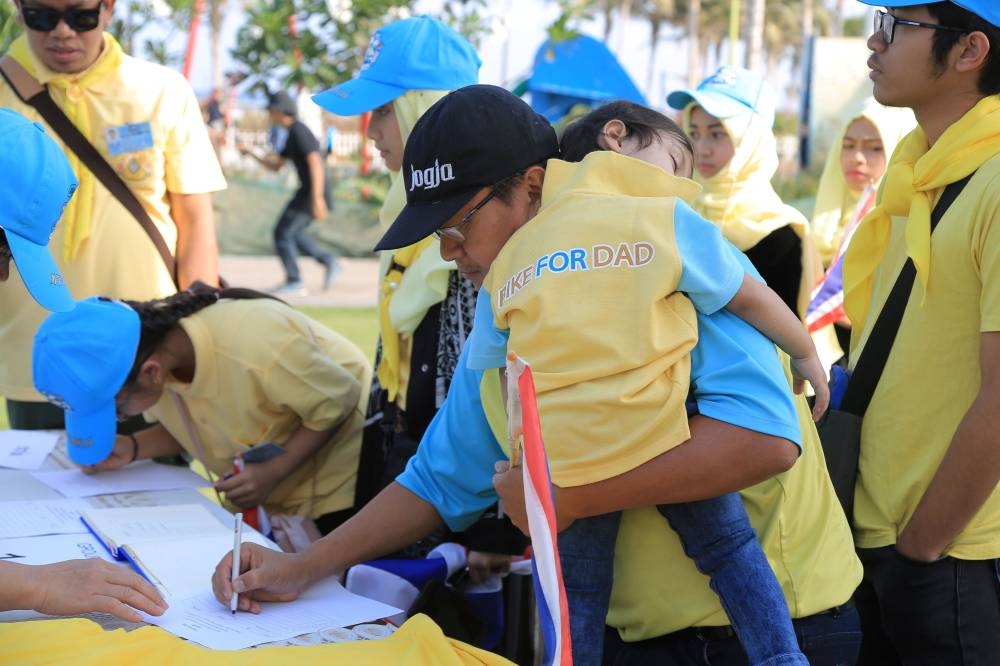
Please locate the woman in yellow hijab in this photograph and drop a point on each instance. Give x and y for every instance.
(851, 175)
(729, 117)
(856, 161)
(425, 308)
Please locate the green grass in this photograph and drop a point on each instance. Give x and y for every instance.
(359, 325)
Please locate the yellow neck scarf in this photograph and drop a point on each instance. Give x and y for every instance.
(388, 367)
(408, 108)
(913, 181)
(77, 217)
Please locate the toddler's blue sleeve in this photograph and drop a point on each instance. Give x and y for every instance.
(711, 270)
(487, 344)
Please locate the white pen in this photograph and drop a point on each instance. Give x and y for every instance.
(237, 535)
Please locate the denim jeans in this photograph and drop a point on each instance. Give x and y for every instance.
(717, 535)
(830, 638)
(917, 613)
(290, 239)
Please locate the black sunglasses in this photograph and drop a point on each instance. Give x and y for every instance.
(45, 19)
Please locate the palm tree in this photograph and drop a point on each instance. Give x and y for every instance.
(657, 12)
(216, 14)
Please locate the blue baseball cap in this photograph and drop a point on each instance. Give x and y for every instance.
(419, 53)
(80, 361)
(988, 10)
(37, 184)
(729, 92)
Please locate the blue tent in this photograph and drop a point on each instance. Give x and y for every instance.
(575, 71)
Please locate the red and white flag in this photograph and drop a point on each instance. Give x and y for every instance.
(525, 433)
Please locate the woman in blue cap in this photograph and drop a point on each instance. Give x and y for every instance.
(426, 308)
(729, 118)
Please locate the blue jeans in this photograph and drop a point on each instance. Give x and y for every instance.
(717, 535)
(290, 239)
(830, 638)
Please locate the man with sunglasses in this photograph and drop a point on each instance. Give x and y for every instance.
(927, 502)
(145, 122)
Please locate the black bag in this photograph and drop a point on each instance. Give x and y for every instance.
(840, 435)
(840, 428)
(446, 605)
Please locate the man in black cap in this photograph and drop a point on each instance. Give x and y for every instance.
(474, 170)
(310, 202)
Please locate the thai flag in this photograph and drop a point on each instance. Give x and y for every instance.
(526, 434)
(826, 304)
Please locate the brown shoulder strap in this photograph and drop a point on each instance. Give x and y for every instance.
(36, 95)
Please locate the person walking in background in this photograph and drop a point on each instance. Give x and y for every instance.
(310, 202)
(729, 118)
(145, 121)
(927, 500)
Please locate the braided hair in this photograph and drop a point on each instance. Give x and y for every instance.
(157, 317)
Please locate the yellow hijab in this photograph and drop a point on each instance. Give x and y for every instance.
(912, 184)
(77, 217)
(742, 202)
(406, 295)
(835, 201)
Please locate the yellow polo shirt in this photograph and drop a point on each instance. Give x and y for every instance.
(263, 370)
(118, 259)
(801, 527)
(597, 264)
(932, 375)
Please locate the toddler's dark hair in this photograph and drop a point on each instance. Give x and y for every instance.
(580, 137)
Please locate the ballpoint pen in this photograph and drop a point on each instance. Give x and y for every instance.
(237, 535)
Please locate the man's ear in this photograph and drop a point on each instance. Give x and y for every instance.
(973, 51)
(534, 180)
(612, 135)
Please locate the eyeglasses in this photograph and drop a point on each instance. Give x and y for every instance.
(45, 19)
(454, 232)
(885, 25)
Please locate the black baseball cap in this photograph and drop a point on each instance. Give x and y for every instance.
(471, 138)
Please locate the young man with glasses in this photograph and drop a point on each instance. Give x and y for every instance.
(927, 502)
(145, 121)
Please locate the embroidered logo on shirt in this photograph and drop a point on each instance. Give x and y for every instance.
(129, 138)
(601, 255)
